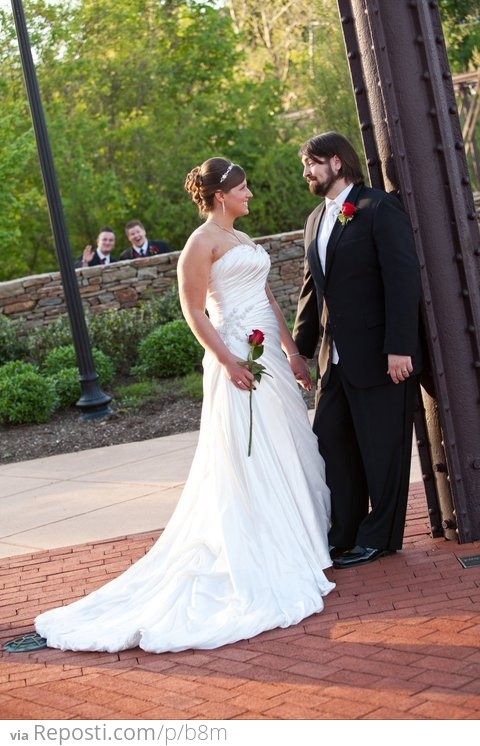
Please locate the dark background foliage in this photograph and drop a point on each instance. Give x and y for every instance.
(137, 92)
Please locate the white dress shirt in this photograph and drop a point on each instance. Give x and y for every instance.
(102, 257)
(332, 210)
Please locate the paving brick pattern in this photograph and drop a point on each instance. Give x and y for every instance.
(399, 639)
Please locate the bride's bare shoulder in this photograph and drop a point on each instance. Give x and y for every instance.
(200, 246)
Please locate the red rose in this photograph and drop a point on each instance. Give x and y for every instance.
(256, 337)
(347, 212)
(255, 340)
(348, 209)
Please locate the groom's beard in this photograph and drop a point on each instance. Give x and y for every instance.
(321, 189)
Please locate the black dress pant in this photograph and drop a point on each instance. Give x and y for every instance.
(365, 438)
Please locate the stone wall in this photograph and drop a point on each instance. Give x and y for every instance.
(39, 299)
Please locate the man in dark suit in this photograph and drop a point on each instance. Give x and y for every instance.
(140, 245)
(102, 255)
(360, 296)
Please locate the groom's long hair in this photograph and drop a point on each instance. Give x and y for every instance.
(328, 144)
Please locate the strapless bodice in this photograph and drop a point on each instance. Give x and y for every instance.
(236, 297)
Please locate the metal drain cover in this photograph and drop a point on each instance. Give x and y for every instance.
(473, 561)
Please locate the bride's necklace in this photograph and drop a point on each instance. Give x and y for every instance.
(230, 233)
(233, 233)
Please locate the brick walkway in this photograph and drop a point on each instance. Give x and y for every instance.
(399, 639)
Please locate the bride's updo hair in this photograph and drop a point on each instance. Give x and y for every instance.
(212, 176)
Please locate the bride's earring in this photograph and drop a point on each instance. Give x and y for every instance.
(223, 206)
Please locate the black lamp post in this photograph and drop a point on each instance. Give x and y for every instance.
(93, 401)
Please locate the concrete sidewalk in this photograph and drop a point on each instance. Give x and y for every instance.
(90, 495)
(398, 639)
(97, 494)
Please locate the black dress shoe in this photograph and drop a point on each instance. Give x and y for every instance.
(336, 551)
(359, 556)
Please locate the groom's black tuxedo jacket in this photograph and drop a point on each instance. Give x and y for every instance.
(368, 299)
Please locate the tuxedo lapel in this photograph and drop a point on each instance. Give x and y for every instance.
(312, 249)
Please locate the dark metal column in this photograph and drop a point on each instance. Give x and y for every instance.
(93, 401)
(405, 97)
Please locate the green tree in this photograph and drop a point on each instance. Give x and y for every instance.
(137, 92)
(461, 26)
(300, 43)
(24, 224)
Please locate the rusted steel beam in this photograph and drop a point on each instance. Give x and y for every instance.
(418, 139)
(381, 172)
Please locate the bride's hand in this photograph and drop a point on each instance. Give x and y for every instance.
(301, 371)
(239, 375)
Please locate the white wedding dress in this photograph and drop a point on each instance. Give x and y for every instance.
(245, 549)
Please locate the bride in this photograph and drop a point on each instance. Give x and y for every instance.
(246, 547)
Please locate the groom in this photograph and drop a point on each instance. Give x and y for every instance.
(360, 297)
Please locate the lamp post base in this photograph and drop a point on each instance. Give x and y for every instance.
(93, 402)
(96, 413)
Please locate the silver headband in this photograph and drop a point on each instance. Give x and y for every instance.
(224, 176)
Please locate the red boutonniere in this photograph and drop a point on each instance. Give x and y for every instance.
(255, 340)
(347, 212)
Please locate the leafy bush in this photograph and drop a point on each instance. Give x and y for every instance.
(12, 344)
(159, 310)
(67, 386)
(25, 395)
(171, 350)
(117, 334)
(14, 367)
(43, 339)
(64, 357)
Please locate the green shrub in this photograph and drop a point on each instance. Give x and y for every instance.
(64, 357)
(67, 386)
(12, 344)
(43, 339)
(159, 310)
(26, 396)
(117, 334)
(171, 350)
(14, 367)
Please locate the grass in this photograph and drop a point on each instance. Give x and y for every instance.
(132, 396)
(191, 385)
